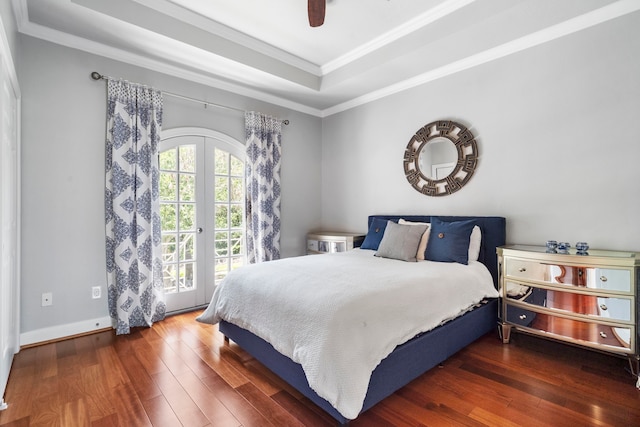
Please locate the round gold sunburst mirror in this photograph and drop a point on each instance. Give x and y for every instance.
(440, 158)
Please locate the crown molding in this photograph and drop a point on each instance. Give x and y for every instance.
(579, 23)
(65, 39)
(167, 7)
(587, 20)
(409, 27)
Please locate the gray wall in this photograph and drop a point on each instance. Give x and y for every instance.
(64, 114)
(557, 132)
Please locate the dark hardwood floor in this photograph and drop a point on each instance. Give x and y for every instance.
(181, 372)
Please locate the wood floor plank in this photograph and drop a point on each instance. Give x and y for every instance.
(85, 351)
(169, 358)
(303, 410)
(400, 411)
(19, 407)
(128, 407)
(191, 359)
(246, 370)
(160, 412)
(181, 372)
(491, 419)
(98, 395)
(46, 410)
(110, 420)
(46, 361)
(208, 402)
(274, 413)
(235, 402)
(444, 403)
(221, 367)
(22, 422)
(139, 378)
(109, 360)
(184, 407)
(147, 357)
(75, 414)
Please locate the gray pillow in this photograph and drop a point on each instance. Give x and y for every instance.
(400, 241)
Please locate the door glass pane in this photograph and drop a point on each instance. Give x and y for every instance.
(222, 221)
(168, 217)
(222, 162)
(236, 216)
(222, 188)
(187, 217)
(237, 190)
(187, 274)
(187, 188)
(168, 184)
(187, 247)
(187, 158)
(222, 248)
(236, 243)
(237, 166)
(222, 268)
(170, 277)
(168, 160)
(236, 262)
(168, 247)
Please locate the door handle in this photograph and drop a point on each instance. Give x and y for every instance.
(199, 230)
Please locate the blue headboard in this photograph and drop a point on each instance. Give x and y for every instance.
(493, 234)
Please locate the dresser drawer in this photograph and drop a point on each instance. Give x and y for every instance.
(616, 339)
(610, 308)
(611, 279)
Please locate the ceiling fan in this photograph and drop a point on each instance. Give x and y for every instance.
(316, 9)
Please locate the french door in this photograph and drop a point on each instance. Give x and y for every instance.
(201, 210)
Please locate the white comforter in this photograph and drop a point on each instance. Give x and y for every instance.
(339, 315)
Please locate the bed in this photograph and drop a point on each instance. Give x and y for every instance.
(427, 346)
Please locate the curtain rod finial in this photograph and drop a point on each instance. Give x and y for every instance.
(96, 75)
(285, 122)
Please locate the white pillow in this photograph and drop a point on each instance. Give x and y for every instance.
(423, 240)
(474, 241)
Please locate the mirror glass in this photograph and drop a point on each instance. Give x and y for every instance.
(438, 158)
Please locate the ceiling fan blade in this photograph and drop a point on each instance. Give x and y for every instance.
(316, 9)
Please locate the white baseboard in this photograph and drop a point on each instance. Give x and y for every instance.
(62, 331)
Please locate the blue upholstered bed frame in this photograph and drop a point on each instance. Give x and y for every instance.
(409, 360)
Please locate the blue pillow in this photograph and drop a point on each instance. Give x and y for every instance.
(449, 241)
(374, 235)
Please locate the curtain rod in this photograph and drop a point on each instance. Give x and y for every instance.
(97, 76)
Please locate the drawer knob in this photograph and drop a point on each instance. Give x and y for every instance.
(603, 307)
(603, 278)
(603, 335)
(523, 316)
(522, 269)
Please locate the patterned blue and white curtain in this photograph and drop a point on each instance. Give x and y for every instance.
(134, 266)
(262, 172)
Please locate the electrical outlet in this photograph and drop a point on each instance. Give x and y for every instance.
(47, 299)
(96, 292)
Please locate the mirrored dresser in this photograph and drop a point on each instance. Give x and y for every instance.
(589, 300)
